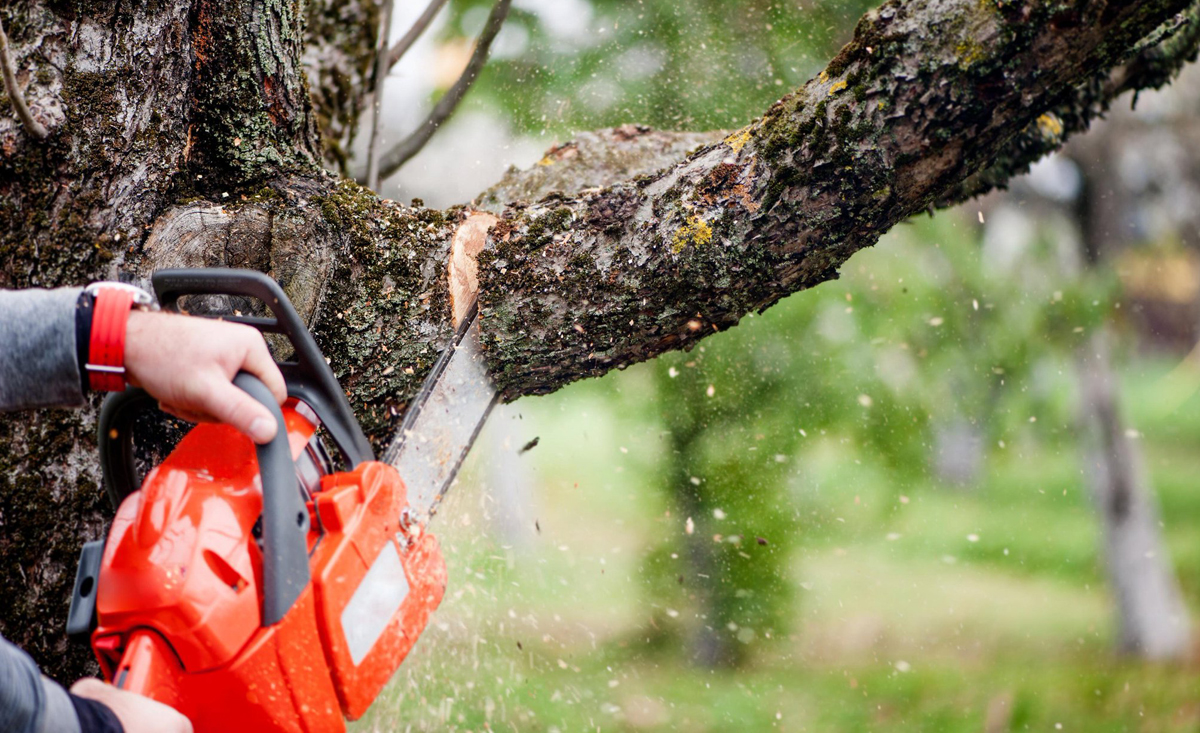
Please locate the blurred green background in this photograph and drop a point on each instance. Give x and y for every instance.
(867, 508)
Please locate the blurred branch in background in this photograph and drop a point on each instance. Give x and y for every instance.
(411, 145)
(1078, 205)
(1128, 192)
(414, 32)
(724, 576)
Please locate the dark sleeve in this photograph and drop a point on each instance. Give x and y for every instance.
(29, 702)
(39, 364)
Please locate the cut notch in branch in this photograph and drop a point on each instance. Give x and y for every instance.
(463, 269)
(32, 126)
(411, 145)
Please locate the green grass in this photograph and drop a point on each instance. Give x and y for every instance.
(920, 608)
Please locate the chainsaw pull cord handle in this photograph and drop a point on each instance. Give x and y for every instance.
(284, 518)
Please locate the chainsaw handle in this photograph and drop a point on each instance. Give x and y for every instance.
(284, 517)
(114, 438)
(309, 377)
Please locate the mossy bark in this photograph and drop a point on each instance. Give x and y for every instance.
(184, 132)
(926, 95)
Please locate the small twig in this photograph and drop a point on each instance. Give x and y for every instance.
(32, 126)
(381, 69)
(404, 44)
(411, 145)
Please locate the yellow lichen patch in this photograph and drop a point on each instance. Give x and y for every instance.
(548, 160)
(1050, 126)
(823, 77)
(969, 53)
(696, 231)
(838, 86)
(738, 140)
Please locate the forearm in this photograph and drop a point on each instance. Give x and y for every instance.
(29, 702)
(38, 359)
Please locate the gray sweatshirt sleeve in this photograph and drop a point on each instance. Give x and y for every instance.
(30, 703)
(38, 363)
(38, 368)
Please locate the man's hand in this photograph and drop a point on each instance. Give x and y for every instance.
(188, 365)
(137, 714)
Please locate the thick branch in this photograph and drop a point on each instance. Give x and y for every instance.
(1154, 64)
(595, 160)
(927, 94)
(338, 56)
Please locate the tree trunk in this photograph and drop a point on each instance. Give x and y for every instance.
(1152, 617)
(183, 132)
(709, 644)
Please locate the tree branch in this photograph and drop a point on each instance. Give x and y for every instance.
(416, 31)
(926, 95)
(341, 40)
(410, 146)
(595, 160)
(1156, 61)
(32, 126)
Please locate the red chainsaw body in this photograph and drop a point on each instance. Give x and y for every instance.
(179, 600)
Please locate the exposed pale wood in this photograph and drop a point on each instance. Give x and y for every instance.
(469, 240)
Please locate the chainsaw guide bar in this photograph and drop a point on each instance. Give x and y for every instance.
(443, 421)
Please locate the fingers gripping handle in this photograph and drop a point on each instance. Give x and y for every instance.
(284, 518)
(309, 377)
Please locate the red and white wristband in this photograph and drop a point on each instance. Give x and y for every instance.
(112, 302)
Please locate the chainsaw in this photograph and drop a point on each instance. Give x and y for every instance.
(274, 587)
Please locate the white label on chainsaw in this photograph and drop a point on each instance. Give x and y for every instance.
(374, 603)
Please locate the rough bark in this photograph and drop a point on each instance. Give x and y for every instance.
(182, 131)
(337, 59)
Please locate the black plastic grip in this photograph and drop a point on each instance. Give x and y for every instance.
(81, 616)
(114, 438)
(309, 377)
(284, 517)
